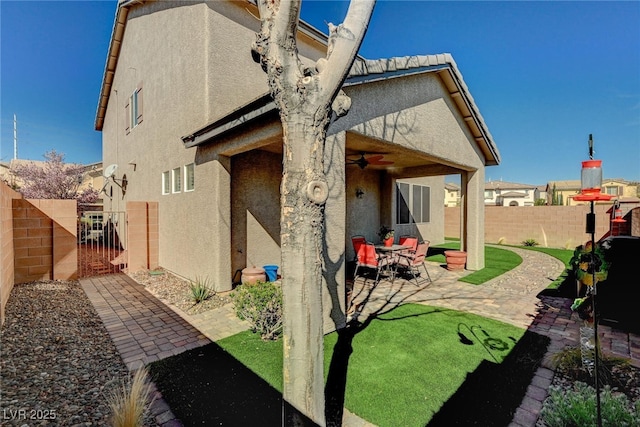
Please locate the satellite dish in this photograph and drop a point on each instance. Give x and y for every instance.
(110, 170)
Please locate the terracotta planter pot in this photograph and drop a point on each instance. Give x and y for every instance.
(388, 242)
(252, 275)
(456, 260)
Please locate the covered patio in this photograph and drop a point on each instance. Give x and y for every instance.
(428, 129)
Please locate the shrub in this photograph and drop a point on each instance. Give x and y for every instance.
(200, 290)
(261, 305)
(530, 242)
(129, 403)
(577, 407)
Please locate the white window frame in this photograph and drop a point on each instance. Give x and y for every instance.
(166, 182)
(189, 184)
(176, 180)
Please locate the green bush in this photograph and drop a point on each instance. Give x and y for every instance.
(200, 290)
(261, 305)
(530, 242)
(577, 407)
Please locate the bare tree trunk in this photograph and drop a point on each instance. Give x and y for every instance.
(305, 99)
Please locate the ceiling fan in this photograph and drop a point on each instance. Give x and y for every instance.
(375, 160)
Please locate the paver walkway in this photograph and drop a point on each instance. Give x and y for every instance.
(144, 329)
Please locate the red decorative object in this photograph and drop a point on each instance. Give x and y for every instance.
(617, 213)
(388, 242)
(592, 197)
(456, 260)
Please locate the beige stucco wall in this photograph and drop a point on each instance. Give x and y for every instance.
(255, 206)
(408, 119)
(186, 55)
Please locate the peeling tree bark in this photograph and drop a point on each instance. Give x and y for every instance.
(305, 98)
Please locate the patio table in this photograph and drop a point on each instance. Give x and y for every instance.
(392, 252)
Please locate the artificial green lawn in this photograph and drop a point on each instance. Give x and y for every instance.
(497, 261)
(405, 365)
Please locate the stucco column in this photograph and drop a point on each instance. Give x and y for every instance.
(333, 298)
(472, 221)
(220, 212)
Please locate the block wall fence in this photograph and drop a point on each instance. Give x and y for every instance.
(550, 226)
(38, 240)
(7, 195)
(143, 236)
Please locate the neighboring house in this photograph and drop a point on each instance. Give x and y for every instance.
(5, 173)
(541, 194)
(206, 143)
(622, 190)
(563, 192)
(502, 193)
(92, 177)
(451, 194)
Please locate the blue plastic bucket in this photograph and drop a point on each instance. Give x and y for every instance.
(272, 272)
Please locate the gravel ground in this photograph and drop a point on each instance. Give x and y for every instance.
(58, 363)
(176, 291)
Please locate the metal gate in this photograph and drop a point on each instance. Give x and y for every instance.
(102, 242)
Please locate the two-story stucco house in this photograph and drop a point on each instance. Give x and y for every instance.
(563, 192)
(502, 193)
(451, 194)
(206, 142)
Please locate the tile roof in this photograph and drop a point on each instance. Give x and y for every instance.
(504, 185)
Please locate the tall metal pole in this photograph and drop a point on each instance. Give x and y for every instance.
(15, 137)
(591, 228)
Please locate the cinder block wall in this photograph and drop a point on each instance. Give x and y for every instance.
(634, 215)
(44, 238)
(64, 231)
(143, 236)
(33, 243)
(7, 195)
(550, 226)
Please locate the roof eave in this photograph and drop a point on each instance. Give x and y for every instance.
(372, 70)
(113, 53)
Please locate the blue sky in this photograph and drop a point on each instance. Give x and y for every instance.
(544, 75)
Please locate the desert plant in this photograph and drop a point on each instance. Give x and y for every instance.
(200, 290)
(530, 242)
(261, 305)
(569, 362)
(130, 401)
(577, 407)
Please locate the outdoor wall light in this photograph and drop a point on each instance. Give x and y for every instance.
(359, 193)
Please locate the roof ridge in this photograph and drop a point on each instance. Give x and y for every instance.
(365, 66)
